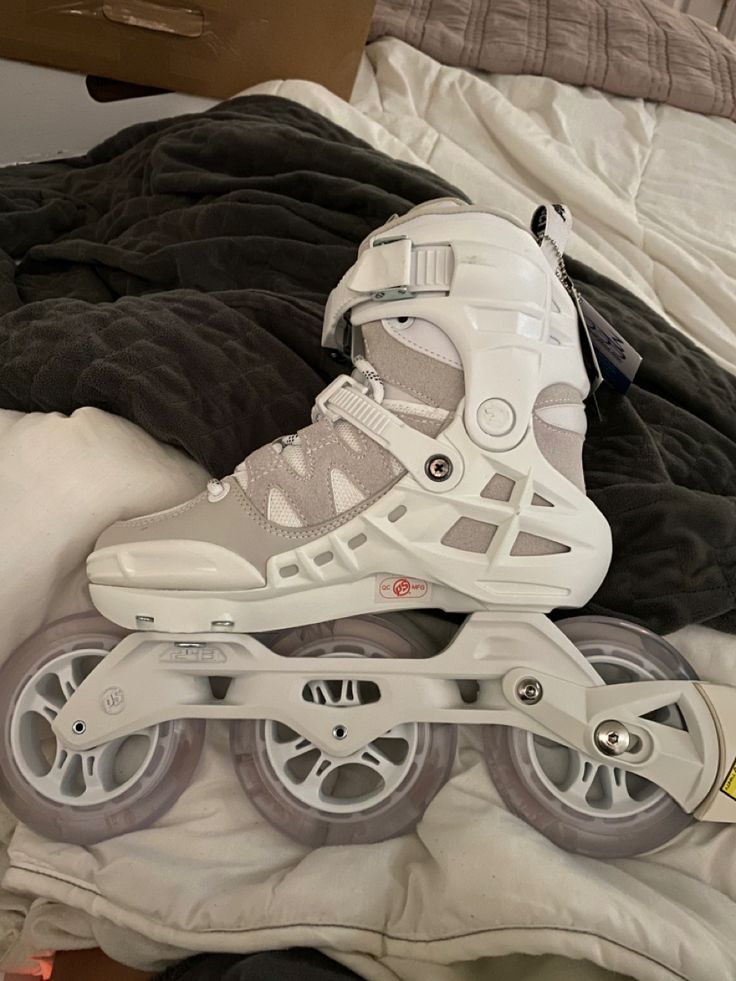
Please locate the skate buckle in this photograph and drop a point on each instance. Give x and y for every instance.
(395, 293)
(384, 270)
(322, 402)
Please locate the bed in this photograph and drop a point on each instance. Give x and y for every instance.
(216, 878)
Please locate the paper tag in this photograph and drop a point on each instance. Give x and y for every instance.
(617, 359)
(590, 357)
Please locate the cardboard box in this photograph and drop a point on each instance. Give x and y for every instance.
(210, 48)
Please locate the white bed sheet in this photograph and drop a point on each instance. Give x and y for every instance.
(650, 189)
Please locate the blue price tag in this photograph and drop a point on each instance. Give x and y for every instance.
(617, 359)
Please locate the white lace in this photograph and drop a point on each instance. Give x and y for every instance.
(364, 372)
(370, 374)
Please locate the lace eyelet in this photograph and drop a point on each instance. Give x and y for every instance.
(217, 491)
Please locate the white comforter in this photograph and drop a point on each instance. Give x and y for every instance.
(652, 191)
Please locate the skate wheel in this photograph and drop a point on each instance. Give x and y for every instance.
(381, 791)
(580, 804)
(82, 798)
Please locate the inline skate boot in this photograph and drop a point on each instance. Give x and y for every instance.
(293, 597)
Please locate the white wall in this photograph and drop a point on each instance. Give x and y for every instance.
(47, 113)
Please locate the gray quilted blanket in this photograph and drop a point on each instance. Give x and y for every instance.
(176, 276)
(643, 49)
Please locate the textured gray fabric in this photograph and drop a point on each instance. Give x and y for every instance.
(540, 502)
(242, 521)
(369, 470)
(436, 384)
(561, 448)
(232, 523)
(177, 274)
(639, 48)
(429, 426)
(470, 535)
(527, 544)
(369, 467)
(498, 488)
(558, 394)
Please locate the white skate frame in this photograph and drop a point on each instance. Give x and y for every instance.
(150, 678)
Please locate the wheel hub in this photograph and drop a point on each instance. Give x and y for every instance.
(341, 784)
(593, 806)
(585, 784)
(381, 791)
(88, 778)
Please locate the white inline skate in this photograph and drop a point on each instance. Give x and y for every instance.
(445, 473)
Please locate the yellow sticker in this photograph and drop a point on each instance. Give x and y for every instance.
(729, 784)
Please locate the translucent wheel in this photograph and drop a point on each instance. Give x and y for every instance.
(82, 798)
(379, 792)
(580, 804)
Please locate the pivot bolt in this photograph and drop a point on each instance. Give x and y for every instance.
(340, 732)
(79, 728)
(529, 691)
(612, 738)
(438, 467)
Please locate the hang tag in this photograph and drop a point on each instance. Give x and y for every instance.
(606, 355)
(618, 361)
(590, 357)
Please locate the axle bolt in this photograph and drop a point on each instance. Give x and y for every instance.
(79, 728)
(340, 732)
(612, 738)
(529, 691)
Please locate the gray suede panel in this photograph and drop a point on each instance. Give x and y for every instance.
(541, 502)
(371, 468)
(429, 426)
(436, 384)
(231, 522)
(239, 521)
(311, 494)
(470, 535)
(561, 448)
(558, 394)
(498, 488)
(527, 544)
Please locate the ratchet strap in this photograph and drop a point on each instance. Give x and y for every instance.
(391, 269)
(434, 464)
(394, 268)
